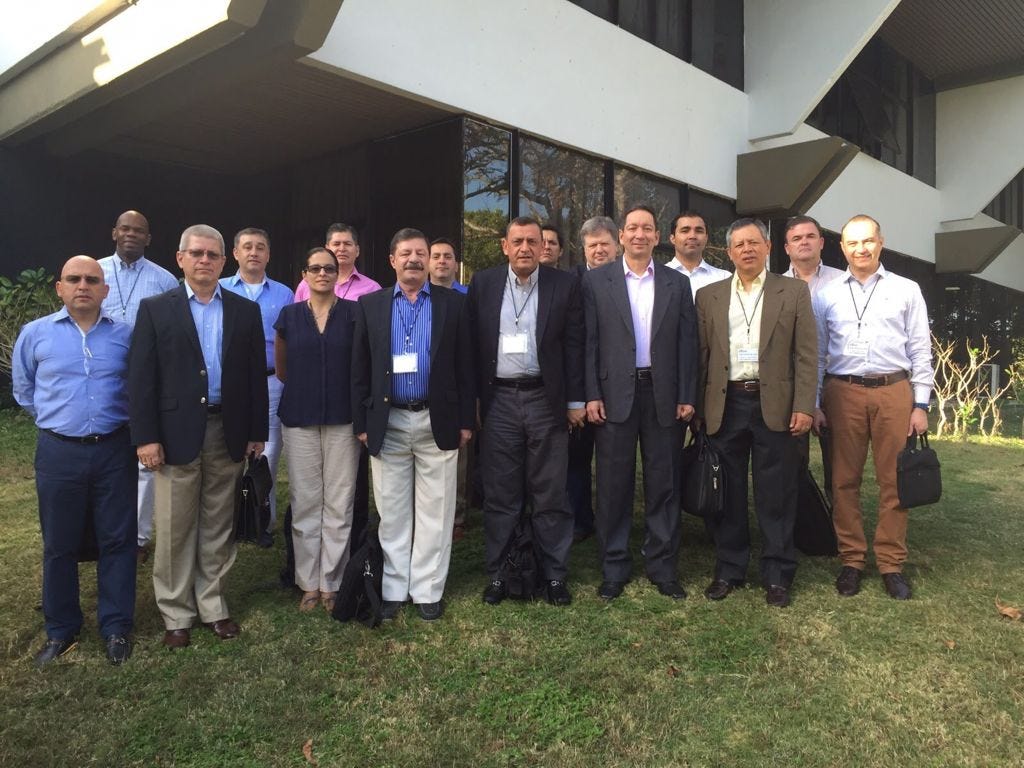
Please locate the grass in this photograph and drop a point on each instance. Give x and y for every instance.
(867, 681)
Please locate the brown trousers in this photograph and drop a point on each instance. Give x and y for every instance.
(859, 416)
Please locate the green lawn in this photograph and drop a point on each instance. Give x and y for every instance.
(866, 681)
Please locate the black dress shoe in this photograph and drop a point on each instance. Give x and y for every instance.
(776, 596)
(54, 649)
(609, 590)
(265, 540)
(119, 648)
(390, 609)
(430, 611)
(896, 586)
(671, 589)
(848, 581)
(719, 589)
(558, 593)
(495, 592)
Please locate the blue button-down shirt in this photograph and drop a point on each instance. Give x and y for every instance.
(130, 284)
(271, 296)
(410, 332)
(71, 382)
(209, 320)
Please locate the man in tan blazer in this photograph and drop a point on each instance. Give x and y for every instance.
(756, 396)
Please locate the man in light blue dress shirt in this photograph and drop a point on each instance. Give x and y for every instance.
(130, 278)
(252, 252)
(69, 373)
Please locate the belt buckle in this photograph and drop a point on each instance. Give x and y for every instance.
(91, 439)
(751, 386)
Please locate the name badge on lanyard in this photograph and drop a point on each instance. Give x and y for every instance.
(748, 354)
(405, 363)
(514, 344)
(858, 348)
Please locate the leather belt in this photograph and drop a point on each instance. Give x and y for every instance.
(880, 380)
(747, 385)
(213, 409)
(271, 371)
(535, 382)
(643, 374)
(87, 439)
(415, 406)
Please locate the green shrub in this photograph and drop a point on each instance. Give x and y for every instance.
(25, 298)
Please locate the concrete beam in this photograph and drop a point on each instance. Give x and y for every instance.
(971, 248)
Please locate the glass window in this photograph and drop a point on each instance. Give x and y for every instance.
(635, 188)
(560, 187)
(486, 195)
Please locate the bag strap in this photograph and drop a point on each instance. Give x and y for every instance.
(917, 442)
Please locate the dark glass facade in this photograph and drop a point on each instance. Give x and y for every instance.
(885, 106)
(1008, 205)
(706, 33)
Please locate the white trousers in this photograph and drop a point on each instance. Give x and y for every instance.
(322, 465)
(414, 487)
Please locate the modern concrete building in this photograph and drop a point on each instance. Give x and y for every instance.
(452, 115)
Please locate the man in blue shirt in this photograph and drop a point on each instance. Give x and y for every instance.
(69, 373)
(252, 252)
(130, 278)
(412, 406)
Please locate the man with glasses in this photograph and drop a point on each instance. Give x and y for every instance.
(130, 278)
(252, 252)
(198, 403)
(69, 374)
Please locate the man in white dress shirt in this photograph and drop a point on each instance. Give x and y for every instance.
(875, 374)
(132, 277)
(689, 236)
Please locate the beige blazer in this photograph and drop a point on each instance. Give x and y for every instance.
(787, 362)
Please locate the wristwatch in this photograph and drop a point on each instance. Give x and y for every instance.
(926, 407)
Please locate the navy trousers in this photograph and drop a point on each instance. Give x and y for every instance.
(70, 479)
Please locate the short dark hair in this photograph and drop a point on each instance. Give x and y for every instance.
(320, 249)
(252, 231)
(449, 243)
(342, 228)
(522, 221)
(406, 233)
(640, 207)
(688, 215)
(740, 224)
(796, 221)
(556, 230)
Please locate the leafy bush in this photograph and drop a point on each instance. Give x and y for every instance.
(25, 298)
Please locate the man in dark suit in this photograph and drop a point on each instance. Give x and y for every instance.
(412, 406)
(641, 379)
(197, 388)
(528, 327)
(758, 347)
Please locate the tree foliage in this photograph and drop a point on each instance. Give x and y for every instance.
(28, 296)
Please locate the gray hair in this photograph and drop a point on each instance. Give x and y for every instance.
(598, 224)
(740, 224)
(201, 230)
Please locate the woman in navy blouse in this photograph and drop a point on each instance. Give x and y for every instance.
(312, 355)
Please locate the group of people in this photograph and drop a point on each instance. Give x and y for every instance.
(150, 395)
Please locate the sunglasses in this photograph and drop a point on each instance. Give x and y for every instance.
(316, 269)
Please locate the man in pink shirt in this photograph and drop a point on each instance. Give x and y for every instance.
(343, 242)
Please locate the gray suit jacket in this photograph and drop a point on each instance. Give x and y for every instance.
(610, 369)
(787, 362)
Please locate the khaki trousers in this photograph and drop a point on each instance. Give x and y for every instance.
(193, 517)
(322, 465)
(858, 417)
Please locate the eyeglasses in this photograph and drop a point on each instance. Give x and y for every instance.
(76, 279)
(316, 269)
(197, 254)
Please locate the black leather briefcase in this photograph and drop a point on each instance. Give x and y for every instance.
(703, 492)
(252, 504)
(918, 480)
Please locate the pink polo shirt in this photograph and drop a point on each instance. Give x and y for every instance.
(357, 285)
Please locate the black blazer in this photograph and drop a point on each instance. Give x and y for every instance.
(611, 344)
(450, 385)
(559, 333)
(167, 385)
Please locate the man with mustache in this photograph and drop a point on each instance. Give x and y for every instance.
(412, 407)
(252, 252)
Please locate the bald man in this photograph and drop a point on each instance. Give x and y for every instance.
(131, 277)
(69, 373)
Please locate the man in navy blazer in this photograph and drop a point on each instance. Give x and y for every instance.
(413, 407)
(528, 326)
(641, 384)
(198, 406)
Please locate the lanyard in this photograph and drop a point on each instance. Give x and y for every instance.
(749, 320)
(120, 295)
(861, 313)
(518, 311)
(416, 316)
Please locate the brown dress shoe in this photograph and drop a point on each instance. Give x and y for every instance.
(177, 638)
(848, 581)
(896, 586)
(225, 629)
(776, 596)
